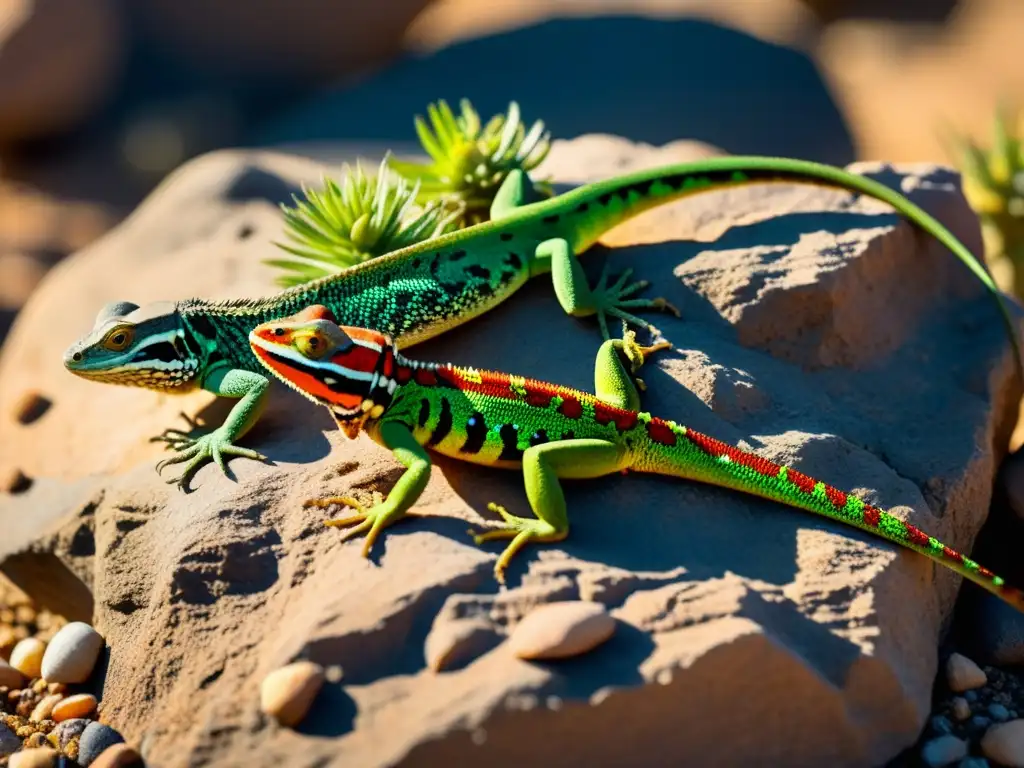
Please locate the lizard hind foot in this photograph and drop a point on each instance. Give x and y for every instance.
(521, 530)
(635, 354)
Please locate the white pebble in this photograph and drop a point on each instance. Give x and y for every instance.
(563, 629)
(72, 654)
(962, 674)
(1004, 744)
(943, 751)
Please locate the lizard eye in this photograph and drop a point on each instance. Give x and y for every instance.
(279, 331)
(312, 346)
(118, 339)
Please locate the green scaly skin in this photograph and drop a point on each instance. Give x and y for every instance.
(549, 431)
(420, 291)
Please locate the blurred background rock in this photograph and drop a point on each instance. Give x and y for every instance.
(99, 99)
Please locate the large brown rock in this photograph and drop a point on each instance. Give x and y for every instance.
(818, 328)
(58, 61)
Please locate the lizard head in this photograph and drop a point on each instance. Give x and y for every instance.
(341, 367)
(135, 346)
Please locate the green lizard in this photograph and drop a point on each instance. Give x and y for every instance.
(551, 432)
(420, 291)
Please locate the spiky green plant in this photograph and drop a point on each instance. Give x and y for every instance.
(357, 219)
(993, 183)
(469, 160)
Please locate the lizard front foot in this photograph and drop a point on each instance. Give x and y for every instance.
(615, 300)
(521, 530)
(194, 451)
(368, 519)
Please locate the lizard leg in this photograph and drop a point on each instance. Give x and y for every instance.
(194, 450)
(543, 468)
(515, 191)
(615, 383)
(580, 300)
(371, 520)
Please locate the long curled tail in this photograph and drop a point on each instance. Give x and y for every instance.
(682, 452)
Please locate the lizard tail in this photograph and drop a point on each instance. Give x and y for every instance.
(682, 452)
(596, 208)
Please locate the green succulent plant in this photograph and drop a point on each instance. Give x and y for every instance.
(469, 160)
(993, 183)
(351, 221)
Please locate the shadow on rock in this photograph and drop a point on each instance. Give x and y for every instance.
(332, 714)
(645, 79)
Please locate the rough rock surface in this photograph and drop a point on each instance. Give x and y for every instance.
(818, 328)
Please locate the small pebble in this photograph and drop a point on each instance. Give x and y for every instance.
(68, 730)
(118, 756)
(36, 740)
(96, 738)
(452, 643)
(41, 757)
(998, 712)
(44, 708)
(9, 676)
(971, 696)
(29, 407)
(962, 674)
(973, 762)
(72, 653)
(79, 705)
(562, 629)
(27, 657)
(1004, 744)
(943, 751)
(961, 709)
(9, 741)
(13, 480)
(941, 724)
(979, 723)
(286, 694)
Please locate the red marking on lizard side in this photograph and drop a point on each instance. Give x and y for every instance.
(916, 536)
(800, 480)
(660, 432)
(986, 572)
(716, 448)
(609, 414)
(538, 399)
(837, 497)
(872, 516)
(403, 373)
(425, 377)
(570, 407)
(952, 554)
